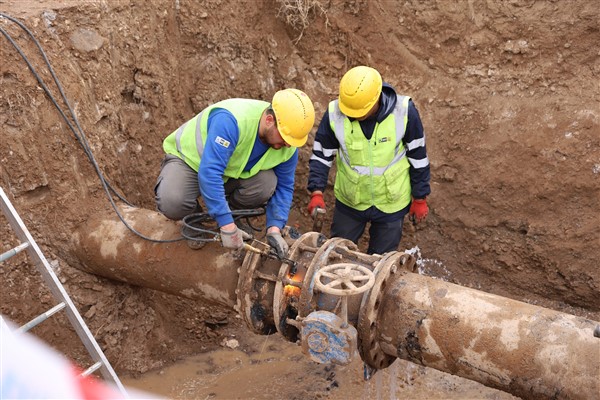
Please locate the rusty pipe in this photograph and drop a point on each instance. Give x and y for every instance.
(105, 247)
(529, 351)
(522, 349)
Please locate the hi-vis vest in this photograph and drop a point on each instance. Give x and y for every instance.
(188, 141)
(372, 172)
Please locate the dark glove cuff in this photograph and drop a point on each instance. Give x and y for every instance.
(228, 233)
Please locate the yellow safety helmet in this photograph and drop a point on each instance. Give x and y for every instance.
(360, 88)
(295, 115)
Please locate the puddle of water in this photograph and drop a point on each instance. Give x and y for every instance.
(272, 368)
(268, 370)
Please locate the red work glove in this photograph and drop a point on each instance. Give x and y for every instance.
(418, 211)
(316, 200)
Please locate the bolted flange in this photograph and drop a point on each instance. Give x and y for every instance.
(368, 336)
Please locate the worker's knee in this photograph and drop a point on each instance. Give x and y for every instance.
(264, 185)
(260, 194)
(255, 191)
(174, 205)
(176, 190)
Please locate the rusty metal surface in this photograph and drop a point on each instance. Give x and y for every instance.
(344, 279)
(368, 345)
(255, 292)
(522, 349)
(257, 281)
(288, 288)
(107, 248)
(307, 303)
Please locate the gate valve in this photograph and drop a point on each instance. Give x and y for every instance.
(326, 337)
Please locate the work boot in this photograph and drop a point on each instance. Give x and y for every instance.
(195, 244)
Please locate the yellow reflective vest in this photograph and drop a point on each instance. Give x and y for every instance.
(372, 172)
(188, 141)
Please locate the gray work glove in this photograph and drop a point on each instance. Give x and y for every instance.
(232, 239)
(276, 242)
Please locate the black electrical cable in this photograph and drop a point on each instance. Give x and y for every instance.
(193, 225)
(82, 139)
(200, 227)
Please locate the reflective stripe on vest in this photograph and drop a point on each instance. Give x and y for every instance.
(198, 135)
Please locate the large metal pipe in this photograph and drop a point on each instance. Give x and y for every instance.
(105, 247)
(529, 351)
(516, 347)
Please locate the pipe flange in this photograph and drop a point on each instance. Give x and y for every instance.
(307, 302)
(285, 299)
(252, 306)
(368, 344)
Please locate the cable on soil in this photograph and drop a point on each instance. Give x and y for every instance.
(193, 226)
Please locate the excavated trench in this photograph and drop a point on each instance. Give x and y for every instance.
(503, 90)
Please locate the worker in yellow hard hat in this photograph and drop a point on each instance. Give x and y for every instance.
(237, 154)
(377, 139)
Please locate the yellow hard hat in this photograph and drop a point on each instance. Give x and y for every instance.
(360, 88)
(295, 115)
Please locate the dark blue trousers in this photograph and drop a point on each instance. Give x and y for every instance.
(385, 231)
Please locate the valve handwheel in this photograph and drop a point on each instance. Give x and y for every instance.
(345, 279)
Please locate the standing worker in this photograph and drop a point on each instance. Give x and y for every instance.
(240, 154)
(382, 164)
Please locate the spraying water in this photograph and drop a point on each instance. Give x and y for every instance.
(429, 266)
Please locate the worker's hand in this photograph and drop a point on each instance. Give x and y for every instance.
(316, 200)
(418, 211)
(277, 242)
(232, 239)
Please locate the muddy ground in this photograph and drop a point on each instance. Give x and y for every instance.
(508, 93)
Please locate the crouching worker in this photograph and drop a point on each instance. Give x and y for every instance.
(237, 154)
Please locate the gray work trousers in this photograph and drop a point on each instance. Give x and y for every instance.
(177, 189)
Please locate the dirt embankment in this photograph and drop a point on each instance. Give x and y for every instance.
(507, 92)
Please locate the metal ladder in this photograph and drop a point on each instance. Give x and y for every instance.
(59, 293)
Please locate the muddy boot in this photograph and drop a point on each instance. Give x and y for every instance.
(195, 244)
